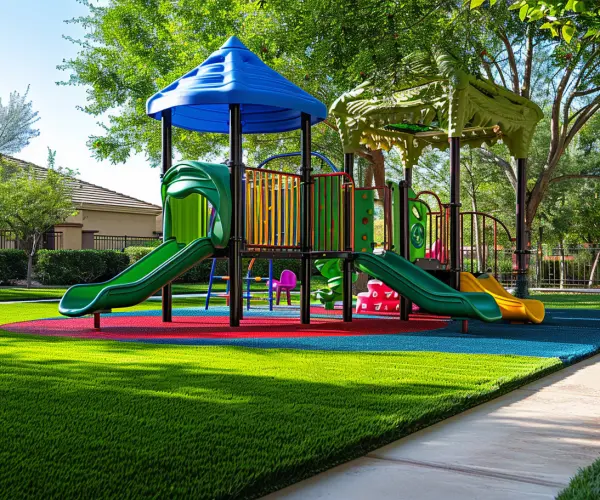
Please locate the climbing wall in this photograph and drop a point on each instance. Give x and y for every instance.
(364, 210)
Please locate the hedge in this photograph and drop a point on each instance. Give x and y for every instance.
(13, 266)
(69, 267)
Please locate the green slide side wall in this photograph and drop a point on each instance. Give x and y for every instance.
(426, 291)
(364, 224)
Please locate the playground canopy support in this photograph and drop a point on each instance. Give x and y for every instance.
(438, 104)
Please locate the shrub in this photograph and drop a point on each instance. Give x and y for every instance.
(116, 263)
(13, 265)
(69, 267)
(136, 253)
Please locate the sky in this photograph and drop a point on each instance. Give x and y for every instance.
(31, 47)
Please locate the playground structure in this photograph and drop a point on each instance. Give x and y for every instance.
(233, 211)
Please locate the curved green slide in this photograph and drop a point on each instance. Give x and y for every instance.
(426, 291)
(186, 188)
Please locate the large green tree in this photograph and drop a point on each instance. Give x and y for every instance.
(32, 204)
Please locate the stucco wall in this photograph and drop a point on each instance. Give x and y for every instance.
(118, 224)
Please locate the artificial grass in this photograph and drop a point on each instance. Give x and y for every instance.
(105, 419)
(585, 485)
(569, 300)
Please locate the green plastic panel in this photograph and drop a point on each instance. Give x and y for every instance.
(190, 218)
(417, 227)
(364, 223)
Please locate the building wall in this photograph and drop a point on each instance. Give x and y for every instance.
(118, 224)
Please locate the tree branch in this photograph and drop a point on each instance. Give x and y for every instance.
(561, 178)
(526, 87)
(511, 61)
(502, 163)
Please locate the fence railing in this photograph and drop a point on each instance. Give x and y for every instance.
(107, 242)
(576, 266)
(52, 240)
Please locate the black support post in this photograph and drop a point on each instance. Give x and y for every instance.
(408, 176)
(521, 251)
(306, 217)
(235, 241)
(455, 250)
(404, 249)
(167, 162)
(405, 304)
(347, 266)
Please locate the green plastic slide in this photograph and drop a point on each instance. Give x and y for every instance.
(137, 282)
(426, 291)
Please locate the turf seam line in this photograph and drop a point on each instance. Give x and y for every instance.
(473, 471)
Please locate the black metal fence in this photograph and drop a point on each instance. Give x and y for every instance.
(575, 266)
(104, 242)
(52, 240)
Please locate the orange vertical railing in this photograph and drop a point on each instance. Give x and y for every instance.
(272, 209)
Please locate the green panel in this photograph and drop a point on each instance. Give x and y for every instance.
(189, 218)
(417, 227)
(364, 229)
(137, 282)
(328, 215)
(426, 291)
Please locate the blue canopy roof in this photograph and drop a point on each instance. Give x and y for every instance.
(234, 75)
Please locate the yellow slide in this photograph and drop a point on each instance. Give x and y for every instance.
(512, 308)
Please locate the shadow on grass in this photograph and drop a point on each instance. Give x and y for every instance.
(93, 419)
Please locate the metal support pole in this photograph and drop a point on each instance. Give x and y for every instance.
(404, 249)
(408, 176)
(306, 217)
(167, 162)
(455, 249)
(347, 266)
(235, 241)
(521, 250)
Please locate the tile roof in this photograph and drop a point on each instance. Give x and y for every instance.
(91, 196)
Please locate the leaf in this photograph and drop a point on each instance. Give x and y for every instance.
(546, 26)
(517, 5)
(523, 12)
(568, 30)
(476, 3)
(591, 33)
(578, 6)
(493, 2)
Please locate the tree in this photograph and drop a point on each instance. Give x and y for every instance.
(17, 119)
(32, 203)
(133, 48)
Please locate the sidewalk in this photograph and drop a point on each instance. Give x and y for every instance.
(526, 444)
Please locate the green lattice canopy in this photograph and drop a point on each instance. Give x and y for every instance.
(440, 101)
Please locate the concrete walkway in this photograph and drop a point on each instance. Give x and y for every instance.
(526, 444)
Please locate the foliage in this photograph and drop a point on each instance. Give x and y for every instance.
(265, 418)
(136, 253)
(70, 267)
(585, 485)
(17, 120)
(13, 265)
(32, 202)
(561, 17)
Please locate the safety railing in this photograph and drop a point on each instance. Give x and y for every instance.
(485, 241)
(272, 202)
(329, 214)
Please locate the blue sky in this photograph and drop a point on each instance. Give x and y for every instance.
(32, 47)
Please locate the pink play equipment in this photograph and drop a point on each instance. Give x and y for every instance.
(379, 298)
(286, 283)
(437, 251)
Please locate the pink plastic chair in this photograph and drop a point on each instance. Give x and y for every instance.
(286, 283)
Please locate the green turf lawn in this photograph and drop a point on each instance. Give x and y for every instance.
(585, 485)
(569, 300)
(106, 419)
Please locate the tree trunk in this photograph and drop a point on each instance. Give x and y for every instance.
(378, 167)
(479, 253)
(593, 271)
(30, 256)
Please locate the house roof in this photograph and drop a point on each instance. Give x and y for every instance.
(92, 197)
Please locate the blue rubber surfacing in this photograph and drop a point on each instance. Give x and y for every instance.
(566, 334)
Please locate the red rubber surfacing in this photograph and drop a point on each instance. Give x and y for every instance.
(217, 327)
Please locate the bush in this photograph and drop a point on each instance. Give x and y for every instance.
(13, 266)
(116, 263)
(69, 267)
(136, 253)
